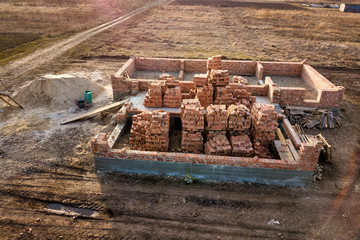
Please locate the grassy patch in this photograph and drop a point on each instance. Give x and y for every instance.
(8, 41)
(24, 49)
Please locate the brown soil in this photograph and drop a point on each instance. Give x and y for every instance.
(43, 162)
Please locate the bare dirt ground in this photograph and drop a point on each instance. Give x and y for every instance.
(43, 162)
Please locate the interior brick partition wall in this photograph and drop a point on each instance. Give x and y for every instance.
(329, 95)
(308, 156)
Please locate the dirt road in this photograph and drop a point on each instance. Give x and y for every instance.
(20, 67)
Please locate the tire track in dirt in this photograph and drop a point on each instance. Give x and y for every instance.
(20, 67)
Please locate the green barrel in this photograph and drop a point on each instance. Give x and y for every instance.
(88, 97)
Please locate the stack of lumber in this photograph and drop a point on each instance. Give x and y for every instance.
(239, 120)
(240, 80)
(264, 123)
(216, 117)
(205, 95)
(193, 124)
(153, 97)
(218, 145)
(219, 77)
(172, 96)
(241, 146)
(312, 117)
(150, 131)
(200, 80)
(223, 95)
(214, 62)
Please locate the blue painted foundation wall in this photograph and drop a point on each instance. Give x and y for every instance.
(206, 172)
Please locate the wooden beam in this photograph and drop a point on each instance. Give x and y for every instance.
(98, 110)
(9, 99)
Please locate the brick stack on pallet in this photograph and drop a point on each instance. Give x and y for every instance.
(239, 120)
(219, 77)
(218, 145)
(205, 95)
(242, 96)
(200, 80)
(216, 118)
(138, 130)
(172, 96)
(153, 97)
(240, 80)
(150, 131)
(224, 96)
(193, 124)
(214, 63)
(264, 125)
(157, 134)
(241, 146)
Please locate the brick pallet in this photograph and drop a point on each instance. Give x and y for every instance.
(153, 97)
(224, 96)
(150, 131)
(219, 77)
(211, 134)
(264, 125)
(216, 117)
(205, 95)
(192, 142)
(240, 80)
(239, 118)
(241, 146)
(218, 145)
(172, 96)
(214, 62)
(200, 80)
(193, 124)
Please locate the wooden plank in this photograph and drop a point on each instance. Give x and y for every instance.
(292, 149)
(2, 95)
(281, 150)
(98, 110)
(116, 133)
(284, 144)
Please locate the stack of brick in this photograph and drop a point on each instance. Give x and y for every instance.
(261, 151)
(200, 80)
(219, 77)
(172, 96)
(218, 145)
(138, 130)
(150, 131)
(224, 96)
(264, 123)
(189, 95)
(205, 95)
(193, 124)
(153, 97)
(242, 96)
(157, 134)
(240, 80)
(239, 120)
(216, 117)
(214, 62)
(241, 146)
(121, 115)
(166, 76)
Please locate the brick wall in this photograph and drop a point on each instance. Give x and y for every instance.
(240, 67)
(282, 68)
(291, 96)
(157, 64)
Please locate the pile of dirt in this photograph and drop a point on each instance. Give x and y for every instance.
(59, 91)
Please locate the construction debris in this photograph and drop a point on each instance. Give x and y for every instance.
(312, 117)
(318, 173)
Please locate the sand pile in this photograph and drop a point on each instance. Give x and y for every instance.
(58, 90)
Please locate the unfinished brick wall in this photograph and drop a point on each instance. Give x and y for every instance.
(150, 131)
(281, 68)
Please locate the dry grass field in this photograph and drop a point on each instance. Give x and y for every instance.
(44, 163)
